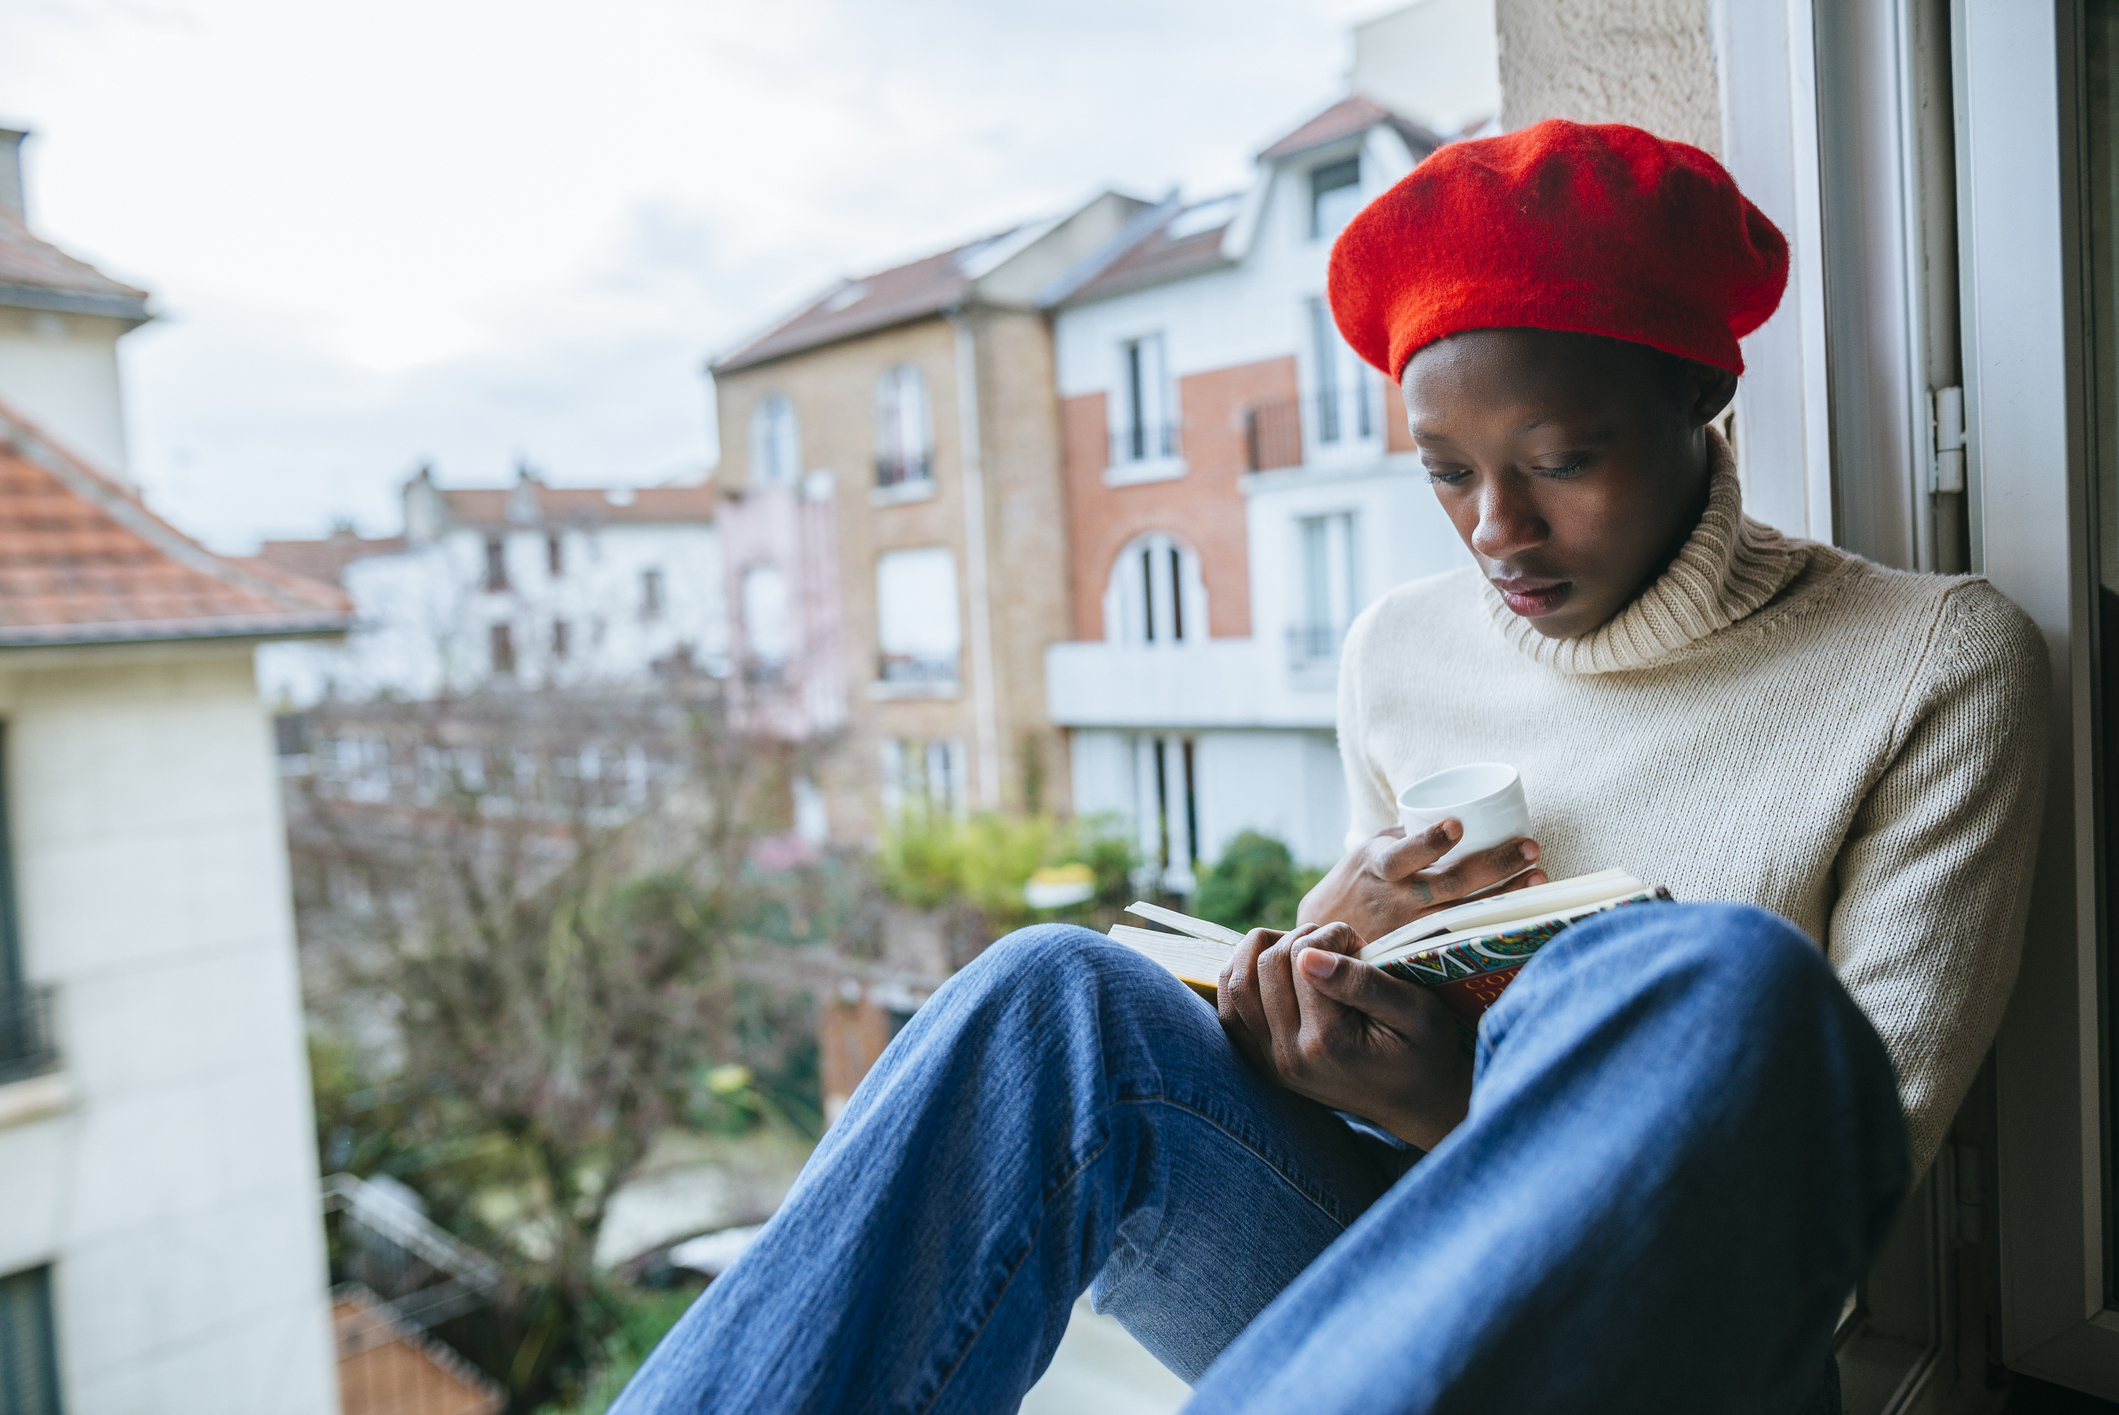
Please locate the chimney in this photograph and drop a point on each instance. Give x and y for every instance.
(11, 172)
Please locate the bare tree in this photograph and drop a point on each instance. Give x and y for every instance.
(533, 907)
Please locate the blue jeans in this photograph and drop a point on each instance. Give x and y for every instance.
(1684, 1146)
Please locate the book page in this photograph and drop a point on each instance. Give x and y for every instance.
(1520, 906)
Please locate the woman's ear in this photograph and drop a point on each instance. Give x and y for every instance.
(1711, 389)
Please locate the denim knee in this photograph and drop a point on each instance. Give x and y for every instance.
(1066, 965)
(1720, 958)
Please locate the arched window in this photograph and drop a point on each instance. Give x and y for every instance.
(904, 430)
(1156, 595)
(775, 442)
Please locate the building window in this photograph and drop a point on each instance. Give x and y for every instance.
(502, 640)
(918, 634)
(904, 428)
(1335, 195)
(1329, 589)
(29, 1349)
(560, 638)
(1156, 594)
(1147, 429)
(555, 555)
(927, 776)
(767, 632)
(1344, 393)
(1166, 808)
(650, 594)
(496, 564)
(775, 442)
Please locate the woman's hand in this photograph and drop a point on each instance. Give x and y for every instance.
(1328, 1026)
(1387, 882)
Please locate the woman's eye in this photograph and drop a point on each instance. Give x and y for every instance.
(1572, 469)
(1448, 476)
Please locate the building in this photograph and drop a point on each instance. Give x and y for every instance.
(531, 584)
(1239, 486)
(911, 412)
(60, 322)
(159, 1242)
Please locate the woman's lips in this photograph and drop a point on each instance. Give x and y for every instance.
(1533, 598)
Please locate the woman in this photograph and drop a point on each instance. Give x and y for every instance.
(1683, 1133)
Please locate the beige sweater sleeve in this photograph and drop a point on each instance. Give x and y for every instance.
(1932, 878)
(1368, 792)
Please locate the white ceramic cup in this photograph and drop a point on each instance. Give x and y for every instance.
(1485, 797)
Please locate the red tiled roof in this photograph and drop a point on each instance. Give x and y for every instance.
(570, 505)
(903, 292)
(82, 561)
(324, 561)
(1349, 116)
(37, 274)
(1156, 257)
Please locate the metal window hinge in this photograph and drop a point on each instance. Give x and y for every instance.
(1946, 407)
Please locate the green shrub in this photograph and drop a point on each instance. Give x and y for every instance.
(932, 860)
(1255, 884)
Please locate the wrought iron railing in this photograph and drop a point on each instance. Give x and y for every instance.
(1272, 435)
(914, 668)
(1143, 442)
(1313, 645)
(901, 470)
(27, 1046)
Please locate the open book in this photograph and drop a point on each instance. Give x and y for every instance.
(1465, 954)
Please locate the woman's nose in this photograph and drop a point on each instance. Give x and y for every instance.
(1508, 523)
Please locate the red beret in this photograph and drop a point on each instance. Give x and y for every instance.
(1599, 229)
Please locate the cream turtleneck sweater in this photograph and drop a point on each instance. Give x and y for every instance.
(1775, 721)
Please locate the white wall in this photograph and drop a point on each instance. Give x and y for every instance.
(176, 1195)
(61, 372)
(426, 618)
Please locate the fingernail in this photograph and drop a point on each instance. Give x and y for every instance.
(1317, 963)
(1453, 829)
(1528, 850)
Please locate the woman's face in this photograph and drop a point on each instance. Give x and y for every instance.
(1573, 466)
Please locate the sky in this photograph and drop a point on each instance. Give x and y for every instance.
(477, 233)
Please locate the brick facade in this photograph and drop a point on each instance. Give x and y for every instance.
(1204, 507)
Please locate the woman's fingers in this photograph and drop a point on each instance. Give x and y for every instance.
(1401, 1006)
(1236, 999)
(1483, 870)
(1276, 992)
(1409, 853)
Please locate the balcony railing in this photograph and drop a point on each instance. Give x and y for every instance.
(1143, 442)
(1272, 435)
(27, 1047)
(916, 668)
(902, 470)
(1313, 645)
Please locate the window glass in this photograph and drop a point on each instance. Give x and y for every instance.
(496, 564)
(29, 1364)
(1344, 395)
(501, 642)
(765, 618)
(650, 594)
(904, 427)
(1335, 195)
(1147, 427)
(1155, 595)
(775, 442)
(1328, 595)
(918, 636)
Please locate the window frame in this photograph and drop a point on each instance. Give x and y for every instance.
(2027, 398)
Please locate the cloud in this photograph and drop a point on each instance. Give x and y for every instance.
(487, 229)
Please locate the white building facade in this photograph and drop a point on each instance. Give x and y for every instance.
(532, 584)
(1283, 497)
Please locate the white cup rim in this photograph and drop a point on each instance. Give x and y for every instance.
(1459, 786)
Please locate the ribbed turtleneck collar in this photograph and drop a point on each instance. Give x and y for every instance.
(1730, 566)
